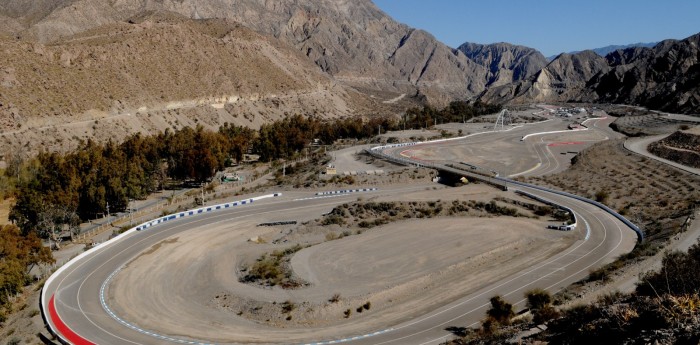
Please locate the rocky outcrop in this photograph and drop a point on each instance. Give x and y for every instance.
(506, 63)
(563, 79)
(350, 39)
(666, 77)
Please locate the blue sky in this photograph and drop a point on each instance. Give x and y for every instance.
(550, 26)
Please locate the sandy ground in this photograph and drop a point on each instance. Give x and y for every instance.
(390, 267)
(513, 157)
(350, 160)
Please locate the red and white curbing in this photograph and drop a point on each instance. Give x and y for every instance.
(49, 312)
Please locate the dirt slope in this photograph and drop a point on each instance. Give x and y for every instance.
(161, 71)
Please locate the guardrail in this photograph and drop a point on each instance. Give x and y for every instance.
(202, 210)
(378, 152)
(181, 199)
(551, 203)
(640, 233)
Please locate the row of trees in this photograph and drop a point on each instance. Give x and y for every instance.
(55, 191)
(18, 253)
(457, 111)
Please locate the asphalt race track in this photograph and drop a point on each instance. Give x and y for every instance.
(73, 307)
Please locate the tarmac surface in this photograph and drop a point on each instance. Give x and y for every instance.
(84, 306)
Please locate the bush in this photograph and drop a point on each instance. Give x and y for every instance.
(501, 311)
(601, 196)
(545, 314)
(288, 307)
(538, 299)
(678, 275)
(601, 274)
(540, 304)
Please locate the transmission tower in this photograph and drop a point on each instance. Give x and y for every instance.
(504, 119)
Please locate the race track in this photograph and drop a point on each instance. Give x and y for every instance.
(75, 307)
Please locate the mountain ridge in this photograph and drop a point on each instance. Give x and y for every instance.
(604, 51)
(664, 77)
(505, 62)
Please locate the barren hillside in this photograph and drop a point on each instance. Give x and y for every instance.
(160, 71)
(561, 80)
(349, 39)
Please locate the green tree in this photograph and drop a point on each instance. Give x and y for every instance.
(18, 253)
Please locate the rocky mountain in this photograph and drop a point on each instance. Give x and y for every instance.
(665, 77)
(562, 79)
(506, 63)
(159, 71)
(85, 61)
(604, 51)
(351, 40)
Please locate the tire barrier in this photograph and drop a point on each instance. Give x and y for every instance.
(289, 222)
(347, 191)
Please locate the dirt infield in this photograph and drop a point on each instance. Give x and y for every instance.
(389, 266)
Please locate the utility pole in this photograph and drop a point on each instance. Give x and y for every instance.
(108, 210)
(131, 217)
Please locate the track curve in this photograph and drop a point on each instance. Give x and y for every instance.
(73, 293)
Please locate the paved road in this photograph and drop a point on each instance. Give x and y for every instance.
(77, 289)
(639, 146)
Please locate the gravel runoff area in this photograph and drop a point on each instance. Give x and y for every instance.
(196, 274)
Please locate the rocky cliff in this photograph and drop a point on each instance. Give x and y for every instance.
(563, 79)
(505, 63)
(350, 39)
(665, 77)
